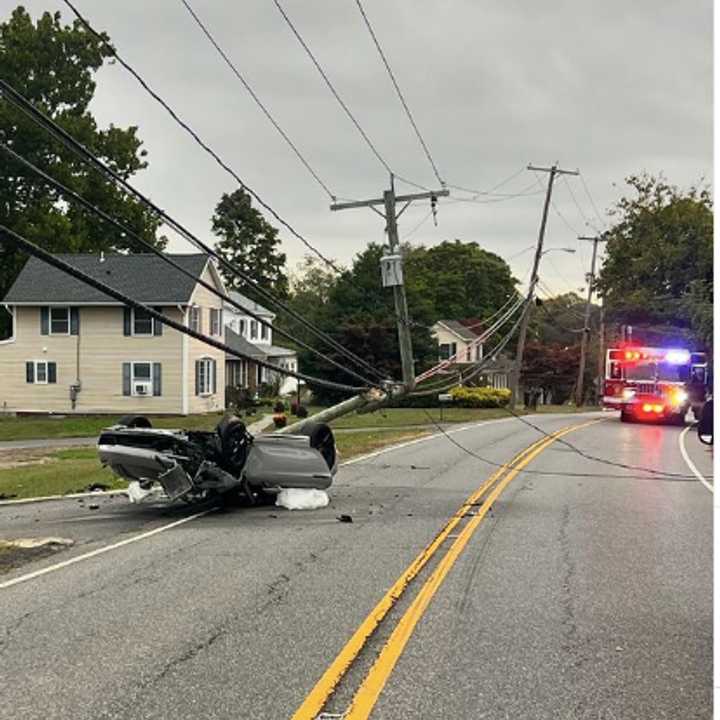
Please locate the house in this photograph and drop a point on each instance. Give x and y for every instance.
(246, 334)
(456, 339)
(75, 349)
(459, 338)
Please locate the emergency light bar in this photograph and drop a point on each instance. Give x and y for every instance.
(677, 357)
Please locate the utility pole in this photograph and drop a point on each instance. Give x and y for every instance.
(392, 265)
(515, 382)
(601, 356)
(586, 324)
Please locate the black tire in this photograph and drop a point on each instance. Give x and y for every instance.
(234, 443)
(134, 421)
(322, 439)
(625, 417)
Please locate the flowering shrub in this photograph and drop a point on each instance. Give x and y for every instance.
(480, 397)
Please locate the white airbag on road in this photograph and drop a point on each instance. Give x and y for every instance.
(302, 499)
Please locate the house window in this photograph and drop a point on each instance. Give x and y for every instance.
(195, 318)
(215, 321)
(59, 321)
(205, 376)
(253, 329)
(447, 350)
(243, 327)
(141, 378)
(142, 322)
(468, 354)
(264, 332)
(40, 372)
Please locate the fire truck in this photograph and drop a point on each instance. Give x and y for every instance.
(654, 383)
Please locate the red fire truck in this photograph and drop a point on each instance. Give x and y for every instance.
(654, 383)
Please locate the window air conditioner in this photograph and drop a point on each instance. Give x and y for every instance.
(142, 388)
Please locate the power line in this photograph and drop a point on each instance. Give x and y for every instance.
(339, 99)
(492, 189)
(11, 95)
(399, 94)
(199, 140)
(257, 100)
(43, 255)
(124, 230)
(592, 202)
(577, 205)
(472, 453)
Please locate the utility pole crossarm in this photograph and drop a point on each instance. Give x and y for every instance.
(398, 198)
(555, 170)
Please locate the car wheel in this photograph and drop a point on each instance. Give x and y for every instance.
(625, 416)
(134, 421)
(235, 443)
(322, 439)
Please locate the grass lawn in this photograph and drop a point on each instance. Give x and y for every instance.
(30, 427)
(398, 417)
(60, 472)
(351, 444)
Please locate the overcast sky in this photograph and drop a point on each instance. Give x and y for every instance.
(610, 88)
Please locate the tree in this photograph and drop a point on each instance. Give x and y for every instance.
(54, 65)
(250, 242)
(658, 266)
(453, 280)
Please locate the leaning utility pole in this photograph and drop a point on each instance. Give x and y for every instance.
(586, 324)
(515, 383)
(392, 265)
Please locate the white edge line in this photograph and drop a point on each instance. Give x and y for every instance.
(100, 551)
(690, 463)
(69, 496)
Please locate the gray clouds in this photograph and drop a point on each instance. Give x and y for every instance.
(612, 88)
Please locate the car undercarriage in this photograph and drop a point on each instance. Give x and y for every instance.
(194, 465)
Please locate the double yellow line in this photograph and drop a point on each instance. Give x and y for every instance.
(374, 682)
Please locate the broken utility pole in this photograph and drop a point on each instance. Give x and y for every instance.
(392, 266)
(517, 369)
(392, 277)
(586, 324)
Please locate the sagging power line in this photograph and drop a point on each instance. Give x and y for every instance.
(203, 27)
(16, 99)
(194, 135)
(126, 231)
(36, 251)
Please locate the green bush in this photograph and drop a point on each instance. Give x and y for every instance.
(480, 397)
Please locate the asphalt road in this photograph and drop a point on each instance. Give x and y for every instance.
(585, 591)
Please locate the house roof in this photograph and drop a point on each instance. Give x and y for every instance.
(261, 352)
(239, 343)
(457, 328)
(144, 277)
(248, 303)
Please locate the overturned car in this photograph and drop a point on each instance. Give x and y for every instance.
(194, 465)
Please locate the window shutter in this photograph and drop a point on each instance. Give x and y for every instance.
(197, 377)
(74, 321)
(52, 372)
(199, 320)
(214, 376)
(127, 322)
(157, 378)
(44, 320)
(126, 372)
(157, 324)
(30, 372)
